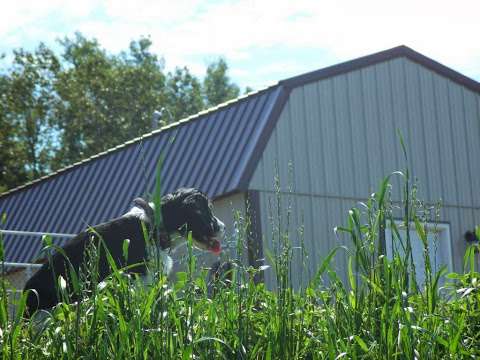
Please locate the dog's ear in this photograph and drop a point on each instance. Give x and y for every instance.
(145, 206)
(173, 211)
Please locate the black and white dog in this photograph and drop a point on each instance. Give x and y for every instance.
(185, 210)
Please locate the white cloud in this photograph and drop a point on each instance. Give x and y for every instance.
(189, 32)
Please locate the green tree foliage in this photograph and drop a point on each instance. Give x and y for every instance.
(12, 170)
(56, 109)
(217, 86)
(26, 108)
(184, 94)
(105, 100)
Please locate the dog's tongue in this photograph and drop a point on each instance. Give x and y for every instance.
(216, 248)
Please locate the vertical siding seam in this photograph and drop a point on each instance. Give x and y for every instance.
(312, 235)
(350, 125)
(450, 121)
(408, 121)
(320, 136)
(291, 167)
(392, 114)
(307, 140)
(424, 136)
(335, 131)
(392, 109)
(276, 154)
(437, 132)
(383, 148)
(469, 146)
(364, 122)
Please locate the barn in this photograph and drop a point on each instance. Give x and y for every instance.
(329, 135)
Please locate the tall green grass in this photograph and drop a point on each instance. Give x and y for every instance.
(378, 311)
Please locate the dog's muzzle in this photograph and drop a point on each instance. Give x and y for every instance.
(213, 243)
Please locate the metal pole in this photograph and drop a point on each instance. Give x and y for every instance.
(35, 233)
(26, 265)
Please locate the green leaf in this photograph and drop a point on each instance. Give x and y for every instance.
(125, 246)
(360, 342)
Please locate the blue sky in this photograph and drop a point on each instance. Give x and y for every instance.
(263, 41)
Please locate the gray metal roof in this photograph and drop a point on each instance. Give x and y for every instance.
(210, 151)
(215, 151)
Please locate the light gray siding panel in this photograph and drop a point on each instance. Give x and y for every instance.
(301, 155)
(433, 163)
(360, 157)
(371, 123)
(343, 135)
(417, 151)
(472, 121)
(390, 138)
(400, 116)
(284, 141)
(313, 139)
(312, 223)
(458, 133)
(447, 153)
(330, 142)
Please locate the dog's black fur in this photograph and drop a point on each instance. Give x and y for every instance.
(182, 211)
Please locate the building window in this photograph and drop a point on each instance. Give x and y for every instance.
(439, 246)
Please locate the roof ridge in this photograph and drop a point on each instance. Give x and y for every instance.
(147, 135)
(378, 57)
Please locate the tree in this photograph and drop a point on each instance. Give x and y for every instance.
(183, 94)
(105, 100)
(27, 96)
(12, 157)
(217, 86)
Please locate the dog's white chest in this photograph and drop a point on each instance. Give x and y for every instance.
(158, 260)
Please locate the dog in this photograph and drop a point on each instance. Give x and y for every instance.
(183, 211)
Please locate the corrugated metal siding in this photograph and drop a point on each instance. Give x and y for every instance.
(311, 222)
(340, 133)
(316, 218)
(345, 127)
(207, 152)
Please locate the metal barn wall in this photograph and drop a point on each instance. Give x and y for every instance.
(337, 138)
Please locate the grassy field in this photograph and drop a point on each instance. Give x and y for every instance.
(378, 312)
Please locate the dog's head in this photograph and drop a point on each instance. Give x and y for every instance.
(190, 210)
